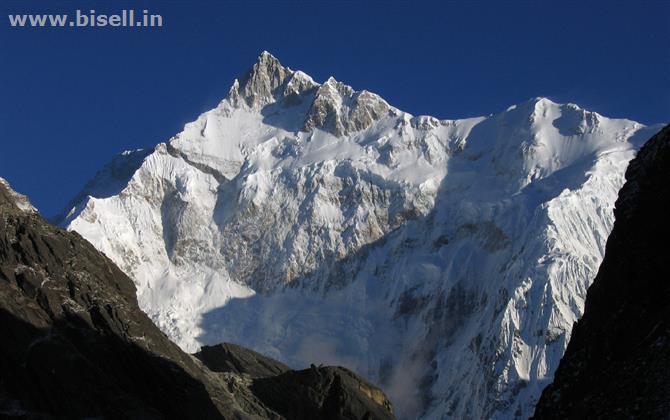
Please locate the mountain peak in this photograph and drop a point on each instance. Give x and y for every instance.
(335, 107)
(542, 101)
(568, 118)
(321, 189)
(340, 110)
(266, 54)
(261, 83)
(265, 59)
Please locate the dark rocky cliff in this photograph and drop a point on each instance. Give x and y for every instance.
(617, 363)
(314, 393)
(74, 343)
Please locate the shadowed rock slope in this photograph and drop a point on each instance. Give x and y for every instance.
(232, 358)
(314, 393)
(616, 365)
(322, 393)
(74, 343)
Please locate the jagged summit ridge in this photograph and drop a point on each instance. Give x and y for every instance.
(425, 253)
(335, 107)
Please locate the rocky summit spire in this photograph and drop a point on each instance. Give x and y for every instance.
(340, 110)
(261, 84)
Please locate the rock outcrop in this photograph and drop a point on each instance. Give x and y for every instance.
(322, 393)
(314, 393)
(227, 357)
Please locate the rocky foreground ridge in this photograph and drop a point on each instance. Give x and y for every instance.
(75, 344)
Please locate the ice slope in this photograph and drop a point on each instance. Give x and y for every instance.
(444, 259)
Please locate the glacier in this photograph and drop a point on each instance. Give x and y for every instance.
(446, 260)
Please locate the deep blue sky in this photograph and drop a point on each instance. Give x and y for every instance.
(72, 98)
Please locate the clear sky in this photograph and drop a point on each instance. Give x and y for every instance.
(71, 98)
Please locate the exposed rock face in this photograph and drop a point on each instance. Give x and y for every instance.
(617, 362)
(19, 200)
(338, 109)
(315, 393)
(75, 344)
(333, 107)
(261, 84)
(227, 357)
(322, 393)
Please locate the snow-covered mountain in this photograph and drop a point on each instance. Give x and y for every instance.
(444, 259)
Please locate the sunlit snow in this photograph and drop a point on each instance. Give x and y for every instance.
(444, 259)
